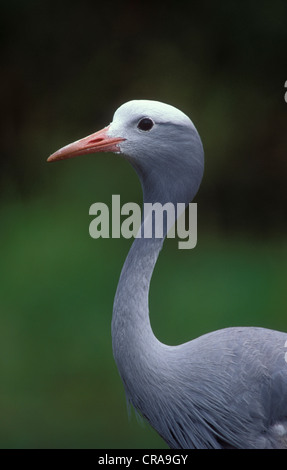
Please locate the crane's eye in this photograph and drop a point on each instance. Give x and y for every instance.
(145, 124)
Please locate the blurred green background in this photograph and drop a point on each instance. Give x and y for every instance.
(65, 68)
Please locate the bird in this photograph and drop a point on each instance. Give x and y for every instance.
(222, 390)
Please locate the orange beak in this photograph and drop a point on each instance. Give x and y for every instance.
(97, 142)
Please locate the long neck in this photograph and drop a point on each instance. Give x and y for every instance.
(134, 344)
(139, 355)
(141, 358)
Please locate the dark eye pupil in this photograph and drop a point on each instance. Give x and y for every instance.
(145, 124)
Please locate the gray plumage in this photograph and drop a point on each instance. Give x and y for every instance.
(225, 389)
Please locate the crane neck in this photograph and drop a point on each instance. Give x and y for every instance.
(131, 307)
(131, 310)
(137, 352)
(135, 346)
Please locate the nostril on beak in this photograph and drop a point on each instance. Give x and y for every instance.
(95, 141)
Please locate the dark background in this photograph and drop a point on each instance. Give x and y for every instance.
(65, 68)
